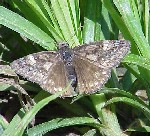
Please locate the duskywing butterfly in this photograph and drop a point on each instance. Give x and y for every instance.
(87, 66)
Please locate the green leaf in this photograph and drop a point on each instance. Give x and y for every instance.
(112, 128)
(91, 132)
(9, 131)
(132, 102)
(117, 19)
(123, 93)
(67, 19)
(106, 115)
(143, 66)
(91, 25)
(97, 25)
(19, 128)
(39, 10)
(133, 26)
(146, 18)
(137, 60)
(61, 122)
(25, 28)
(3, 122)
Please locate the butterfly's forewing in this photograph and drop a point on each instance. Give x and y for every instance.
(105, 54)
(44, 68)
(35, 67)
(93, 62)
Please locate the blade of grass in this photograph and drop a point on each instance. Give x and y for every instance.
(3, 122)
(14, 123)
(61, 122)
(92, 27)
(136, 11)
(106, 115)
(38, 8)
(23, 7)
(51, 16)
(117, 19)
(133, 26)
(25, 28)
(19, 128)
(132, 102)
(124, 93)
(64, 14)
(146, 17)
(91, 132)
(145, 129)
(137, 60)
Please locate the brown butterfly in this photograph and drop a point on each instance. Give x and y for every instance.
(87, 67)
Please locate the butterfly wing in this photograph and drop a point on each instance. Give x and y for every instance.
(35, 67)
(106, 54)
(93, 63)
(40, 68)
(57, 80)
(90, 77)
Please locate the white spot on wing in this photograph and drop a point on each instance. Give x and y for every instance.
(31, 60)
(47, 65)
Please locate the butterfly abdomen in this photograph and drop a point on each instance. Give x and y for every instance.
(67, 57)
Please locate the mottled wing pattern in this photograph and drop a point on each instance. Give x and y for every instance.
(105, 53)
(90, 77)
(57, 80)
(44, 68)
(93, 62)
(35, 67)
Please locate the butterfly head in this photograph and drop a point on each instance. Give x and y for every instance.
(62, 45)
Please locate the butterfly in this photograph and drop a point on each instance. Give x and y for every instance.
(87, 66)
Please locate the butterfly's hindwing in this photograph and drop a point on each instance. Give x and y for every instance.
(90, 77)
(57, 80)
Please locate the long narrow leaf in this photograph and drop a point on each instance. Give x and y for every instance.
(64, 14)
(137, 60)
(60, 122)
(131, 102)
(25, 28)
(133, 26)
(19, 128)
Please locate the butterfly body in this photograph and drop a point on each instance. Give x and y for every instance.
(67, 56)
(87, 66)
